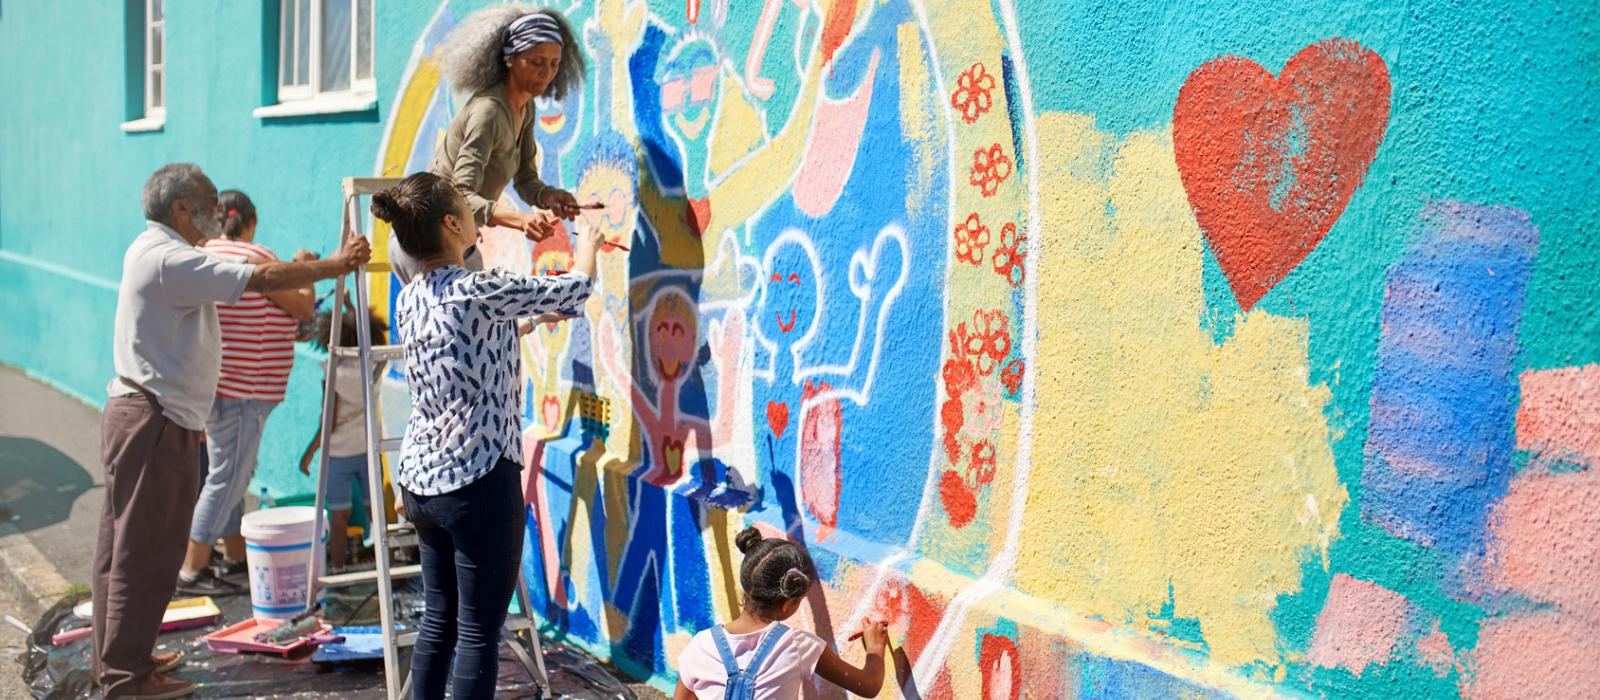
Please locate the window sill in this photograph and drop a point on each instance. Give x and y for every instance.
(321, 104)
(144, 124)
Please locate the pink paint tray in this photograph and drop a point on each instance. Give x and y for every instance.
(241, 637)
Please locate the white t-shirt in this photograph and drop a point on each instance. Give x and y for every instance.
(167, 338)
(790, 667)
(349, 436)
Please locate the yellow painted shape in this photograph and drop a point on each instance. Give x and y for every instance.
(679, 246)
(577, 557)
(722, 561)
(928, 111)
(738, 128)
(1160, 456)
(918, 116)
(407, 120)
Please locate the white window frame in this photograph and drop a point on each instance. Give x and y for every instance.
(310, 98)
(153, 26)
(155, 115)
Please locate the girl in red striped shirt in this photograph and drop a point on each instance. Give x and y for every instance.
(257, 354)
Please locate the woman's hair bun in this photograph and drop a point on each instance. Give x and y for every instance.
(385, 207)
(748, 539)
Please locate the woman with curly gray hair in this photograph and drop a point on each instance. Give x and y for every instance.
(501, 58)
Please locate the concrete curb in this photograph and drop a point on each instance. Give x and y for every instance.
(28, 575)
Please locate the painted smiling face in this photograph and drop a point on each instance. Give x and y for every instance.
(548, 261)
(689, 82)
(674, 335)
(609, 185)
(789, 301)
(557, 126)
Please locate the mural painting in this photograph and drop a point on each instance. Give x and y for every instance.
(1181, 404)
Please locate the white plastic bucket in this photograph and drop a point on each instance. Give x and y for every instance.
(277, 549)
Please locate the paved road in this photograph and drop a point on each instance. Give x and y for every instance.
(50, 474)
(51, 490)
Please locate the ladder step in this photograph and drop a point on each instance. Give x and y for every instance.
(402, 535)
(390, 444)
(395, 573)
(379, 352)
(368, 185)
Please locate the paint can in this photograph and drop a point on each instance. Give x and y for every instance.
(277, 550)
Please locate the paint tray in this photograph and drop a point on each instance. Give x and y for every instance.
(358, 644)
(241, 637)
(182, 614)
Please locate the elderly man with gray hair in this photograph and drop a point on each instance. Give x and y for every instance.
(168, 354)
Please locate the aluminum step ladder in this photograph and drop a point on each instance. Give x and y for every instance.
(518, 627)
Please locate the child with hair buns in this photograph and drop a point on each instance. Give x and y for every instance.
(756, 656)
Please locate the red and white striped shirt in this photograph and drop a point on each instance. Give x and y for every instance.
(257, 336)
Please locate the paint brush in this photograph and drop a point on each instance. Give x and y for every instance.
(592, 205)
(613, 246)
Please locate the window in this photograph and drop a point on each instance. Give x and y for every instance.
(325, 48)
(155, 98)
(145, 51)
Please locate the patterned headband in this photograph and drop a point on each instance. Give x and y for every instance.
(537, 28)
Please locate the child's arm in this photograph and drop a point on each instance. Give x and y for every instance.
(311, 449)
(683, 693)
(866, 681)
(316, 440)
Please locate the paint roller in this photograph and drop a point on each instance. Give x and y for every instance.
(298, 626)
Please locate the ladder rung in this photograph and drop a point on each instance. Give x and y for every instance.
(345, 579)
(379, 352)
(369, 185)
(518, 623)
(390, 444)
(401, 535)
(377, 267)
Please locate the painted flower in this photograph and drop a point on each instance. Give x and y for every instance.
(972, 96)
(960, 503)
(1009, 257)
(981, 409)
(990, 167)
(990, 339)
(959, 376)
(1011, 376)
(952, 418)
(971, 238)
(981, 468)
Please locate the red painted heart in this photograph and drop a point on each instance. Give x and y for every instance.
(697, 214)
(1269, 163)
(672, 452)
(778, 417)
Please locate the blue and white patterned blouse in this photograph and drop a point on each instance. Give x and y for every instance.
(463, 369)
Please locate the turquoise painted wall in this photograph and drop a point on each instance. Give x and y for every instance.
(70, 178)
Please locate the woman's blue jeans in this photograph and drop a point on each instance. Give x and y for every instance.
(471, 541)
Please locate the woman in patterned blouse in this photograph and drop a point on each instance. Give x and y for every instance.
(460, 464)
